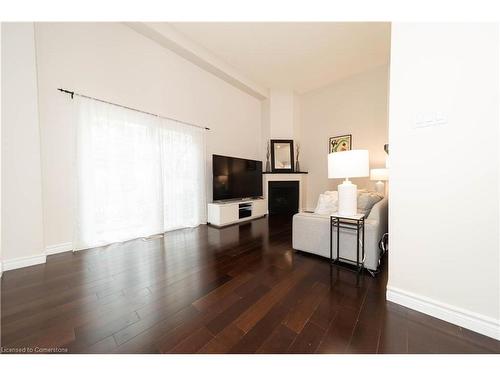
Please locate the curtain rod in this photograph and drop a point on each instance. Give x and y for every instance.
(72, 93)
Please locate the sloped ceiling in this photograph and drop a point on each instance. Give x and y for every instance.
(300, 56)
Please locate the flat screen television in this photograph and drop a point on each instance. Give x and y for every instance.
(235, 178)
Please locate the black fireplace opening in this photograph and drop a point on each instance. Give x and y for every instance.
(283, 197)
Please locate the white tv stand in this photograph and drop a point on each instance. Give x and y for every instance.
(226, 213)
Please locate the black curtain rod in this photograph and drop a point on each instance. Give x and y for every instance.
(72, 93)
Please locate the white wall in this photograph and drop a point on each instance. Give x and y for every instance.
(115, 63)
(22, 226)
(444, 224)
(281, 114)
(356, 105)
(280, 117)
(265, 128)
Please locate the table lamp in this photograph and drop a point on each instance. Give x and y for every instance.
(348, 164)
(379, 175)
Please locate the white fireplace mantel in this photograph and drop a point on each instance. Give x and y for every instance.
(300, 177)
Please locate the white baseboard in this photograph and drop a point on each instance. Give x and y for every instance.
(59, 248)
(475, 322)
(16, 263)
(23, 262)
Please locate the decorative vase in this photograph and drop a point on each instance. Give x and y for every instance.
(297, 153)
(268, 163)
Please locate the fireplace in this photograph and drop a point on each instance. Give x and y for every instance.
(283, 197)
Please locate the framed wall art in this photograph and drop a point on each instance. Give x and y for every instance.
(340, 143)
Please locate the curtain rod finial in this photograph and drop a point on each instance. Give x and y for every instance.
(72, 93)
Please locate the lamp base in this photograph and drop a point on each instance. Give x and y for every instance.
(348, 198)
(380, 187)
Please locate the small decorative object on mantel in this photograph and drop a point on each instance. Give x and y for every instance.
(297, 152)
(268, 163)
(340, 143)
(282, 155)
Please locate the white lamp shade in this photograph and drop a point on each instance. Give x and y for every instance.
(380, 174)
(346, 164)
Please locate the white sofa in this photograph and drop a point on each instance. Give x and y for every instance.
(311, 234)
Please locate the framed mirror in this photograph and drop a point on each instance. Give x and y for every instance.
(282, 155)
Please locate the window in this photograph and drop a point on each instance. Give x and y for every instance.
(137, 174)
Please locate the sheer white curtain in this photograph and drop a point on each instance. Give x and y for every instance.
(137, 174)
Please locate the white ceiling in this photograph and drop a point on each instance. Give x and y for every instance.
(294, 55)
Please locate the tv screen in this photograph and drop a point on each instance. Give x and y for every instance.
(235, 178)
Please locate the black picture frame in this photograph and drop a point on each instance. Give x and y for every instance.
(274, 143)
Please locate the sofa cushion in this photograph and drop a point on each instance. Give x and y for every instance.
(366, 200)
(327, 203)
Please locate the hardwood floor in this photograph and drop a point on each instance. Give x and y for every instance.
(240, 289)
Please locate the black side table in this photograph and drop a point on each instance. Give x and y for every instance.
(352, 222)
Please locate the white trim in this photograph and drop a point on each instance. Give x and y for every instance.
(475, 322)
(23, 262)
(1, 269)
(300, 177)
(58, 248)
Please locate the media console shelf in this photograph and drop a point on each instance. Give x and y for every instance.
(227, 213)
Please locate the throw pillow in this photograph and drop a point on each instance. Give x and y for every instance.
(327, 204)
(366, 201)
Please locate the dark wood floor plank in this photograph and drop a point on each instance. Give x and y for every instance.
(204, 302)
(106, 345)
(186, 293)
(53, 337)
(223, 341)
(252, 316)
(227, 317)
(240, 289)
(279, 341)
(301, 313)
(338, 335)
(145, 339)
(150, 320)
(433, 323)
(214, 346)
(74, 315)
(308, 339)
(327, 309)
(257, 335)
(487, 343)
(171, 339)
(97, 330)
(425, 339)
(193, 342)
(364, 339)
(394, 334)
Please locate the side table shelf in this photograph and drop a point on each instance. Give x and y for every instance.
(354, 222)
